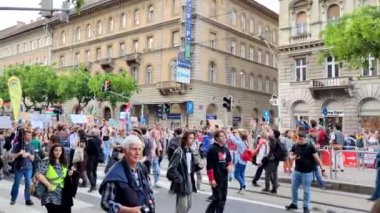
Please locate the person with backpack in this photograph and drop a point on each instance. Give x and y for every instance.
(337, 142)
(174, 142)
(262, 150)
(305, 156)
(241, 143)
(277, 153)
(181, 172)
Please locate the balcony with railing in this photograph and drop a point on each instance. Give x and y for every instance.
(133, 58)
(168, 87)
(339, 83)
(300, 32)
(107, 63)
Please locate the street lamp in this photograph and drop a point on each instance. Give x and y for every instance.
(261, 37)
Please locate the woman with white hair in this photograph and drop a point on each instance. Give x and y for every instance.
(126, 186)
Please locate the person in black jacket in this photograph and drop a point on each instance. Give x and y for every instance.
(181, 172)
(93, 150)
(218, 166)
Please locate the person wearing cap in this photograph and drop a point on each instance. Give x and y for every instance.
(126, 186)
(305, 156)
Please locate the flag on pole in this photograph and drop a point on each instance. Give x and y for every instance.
(15, 94)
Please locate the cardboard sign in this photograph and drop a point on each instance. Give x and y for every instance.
(5, 122)
(115, 123)
(78, 119)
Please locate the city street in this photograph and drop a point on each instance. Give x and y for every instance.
(90, 202)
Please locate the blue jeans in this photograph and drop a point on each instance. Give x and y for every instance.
(376, 192)
(317, 175)
(27, 174)
(239, 174)
(304, 179)
(106, 151)
(156, 170)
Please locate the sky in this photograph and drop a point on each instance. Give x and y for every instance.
(10, 18)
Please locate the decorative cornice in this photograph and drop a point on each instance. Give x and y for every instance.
(261, 8)
(146, 29)
(300, 46)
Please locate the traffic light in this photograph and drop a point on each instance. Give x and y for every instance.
(227, 103)
(167, 108)
(159, 110)
(107, 86)
(46, 5)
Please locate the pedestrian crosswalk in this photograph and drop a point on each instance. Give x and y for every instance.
(84, 202)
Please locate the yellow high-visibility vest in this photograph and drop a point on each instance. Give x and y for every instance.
(53, 177)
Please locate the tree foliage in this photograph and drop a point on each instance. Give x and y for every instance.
(37, 84)
(354, 37)
(122, 84)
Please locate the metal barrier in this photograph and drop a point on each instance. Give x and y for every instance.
(360, 159)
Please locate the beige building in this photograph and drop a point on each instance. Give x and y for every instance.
(25, 44)
(350, 97)
(146, 37)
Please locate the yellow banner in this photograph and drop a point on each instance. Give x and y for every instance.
(15, 94)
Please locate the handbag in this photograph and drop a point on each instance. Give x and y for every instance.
(38, 189)
(78, 155)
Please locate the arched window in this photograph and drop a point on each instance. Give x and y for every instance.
(274, 86)
(136, 17)
(251, 26)
(63, 37)
(78, 34)
(267, 85)
(260, 30)
(233, 17)
(233, 77)
(251, 82)
(243, 23)
(123, 21)
(212, 72)
(242, 79)
(301, 23)
(212, 8)
(150, 13)
(149, 74)
(259, 83)
(88, 30)
(99, 27)
(173, 70)
(333, 13)
(135, 73)
(110, 24)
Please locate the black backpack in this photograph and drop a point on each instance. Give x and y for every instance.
(280, 152)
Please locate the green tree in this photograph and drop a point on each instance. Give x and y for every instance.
(122, 84)
(354, 37)
(36, 80)
(75, 85)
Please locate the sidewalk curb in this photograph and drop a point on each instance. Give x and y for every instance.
(336, 186)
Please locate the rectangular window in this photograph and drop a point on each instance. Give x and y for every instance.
(242, 50)
(176, 7)
(150, 43)
(122, 50)
(98, 54)
(61, 61)
(88, 55)
(109, 52)
(332, 67)
(213, 40)
(251, 53)
(300, 69)
(135, 46)
(371, 68)
(233, 47)
(259, 56)
(38, 43)
(267, 59)
(77, 58)
(175, 39)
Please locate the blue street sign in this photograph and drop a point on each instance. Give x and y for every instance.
(324, 111)
(211, 117)
(174, 116)
(189, 107)
(266, 115)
